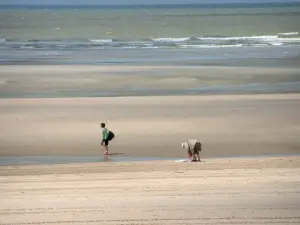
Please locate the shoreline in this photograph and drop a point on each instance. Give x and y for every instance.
(217, 164)
(142, 98)
(71, 160)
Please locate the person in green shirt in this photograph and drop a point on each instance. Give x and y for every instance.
(105, 138)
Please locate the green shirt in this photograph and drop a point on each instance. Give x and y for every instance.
(105, 133)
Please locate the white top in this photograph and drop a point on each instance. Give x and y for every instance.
(189, 144)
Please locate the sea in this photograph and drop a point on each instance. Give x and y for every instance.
(228, 34)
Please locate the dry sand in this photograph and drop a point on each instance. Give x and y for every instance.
(152, 126)
(219, 191)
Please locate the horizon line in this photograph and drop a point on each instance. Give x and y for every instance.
(154, 5)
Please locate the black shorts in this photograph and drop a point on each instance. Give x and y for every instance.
(197, 149)
(105, 142)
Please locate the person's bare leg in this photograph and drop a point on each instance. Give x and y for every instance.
(198, 157)
(190, 155)
(106, 149)
(194, 157)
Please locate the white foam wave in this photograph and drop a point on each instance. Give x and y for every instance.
(211, 46)
(150, 47)
(27, 47)
(101, 40)
(171, 39)
(261, 45)
(289, 34)
(271, 39)
(2, 40)
(276, 43)
(268, 37)
(236, 38)
(130, 47)
(289, 39)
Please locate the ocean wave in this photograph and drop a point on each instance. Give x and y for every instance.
(262, 13)
(183, 42)
(289, 40)
(27, 47)
(149, 47)
(101, 40)
(288, 34)
(265, 37)
(276, 43)
(171, 39)
(211, 46)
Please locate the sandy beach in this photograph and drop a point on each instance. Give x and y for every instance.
(219, 191)
(48, 110)
(151, 126)
(263, 190)
(258, 190)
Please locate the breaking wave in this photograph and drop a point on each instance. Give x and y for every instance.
(289, 34)
(101, 40)
(171, 39)
(155, 43)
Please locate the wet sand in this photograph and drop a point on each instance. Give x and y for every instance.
(223, 191)
(151, 126)
(100, 81)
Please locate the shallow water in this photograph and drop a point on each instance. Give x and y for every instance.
(51, 160)
(43, 160)
(46, 160)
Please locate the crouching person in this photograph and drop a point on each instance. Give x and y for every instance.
(193, 148)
